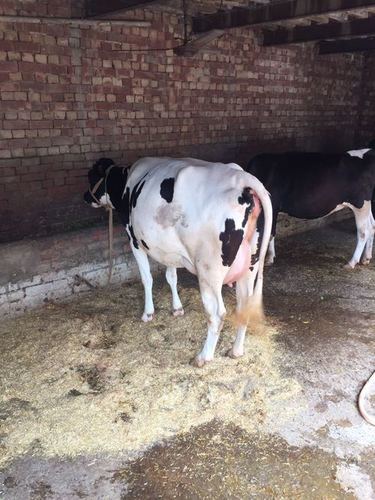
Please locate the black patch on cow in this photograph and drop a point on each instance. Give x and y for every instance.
(145, 244)
(231, 240)
(135, 193)
(248, 199)
(167, 189)
(246, 196)
(134, 239)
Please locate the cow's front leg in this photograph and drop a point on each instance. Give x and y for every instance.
(146, 277)
(270, 257)
(367, 254)
(171, 276)
(215, 309)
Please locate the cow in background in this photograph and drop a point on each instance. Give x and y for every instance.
(198, 215)
(314, 185)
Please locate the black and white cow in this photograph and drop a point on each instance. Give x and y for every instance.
(313, 185)
(193, 214)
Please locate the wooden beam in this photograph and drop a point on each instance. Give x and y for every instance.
(270, 13)
(96, 8)
(351, 45)
(194, 46)
(332, 29)
(75, 21)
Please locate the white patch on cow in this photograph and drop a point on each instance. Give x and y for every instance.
(359, 153)
(105, 201)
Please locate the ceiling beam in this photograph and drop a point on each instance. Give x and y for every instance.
(351, 45)
(270, 13)
(332, 29)
(194, 46)
(96, 8)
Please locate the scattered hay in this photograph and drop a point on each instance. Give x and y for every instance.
(98, 380)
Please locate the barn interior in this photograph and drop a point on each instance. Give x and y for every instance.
(96, 404)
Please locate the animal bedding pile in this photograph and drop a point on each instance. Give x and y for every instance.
(88, 377)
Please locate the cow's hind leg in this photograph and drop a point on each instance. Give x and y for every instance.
(171, 276)
(215, 309)
(364, 231)
(367, 255)
(244, 290)
(146, 277)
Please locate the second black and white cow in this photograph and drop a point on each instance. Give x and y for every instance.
(313, 185)
(193, 214)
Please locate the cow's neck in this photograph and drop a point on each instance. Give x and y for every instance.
(116, 183)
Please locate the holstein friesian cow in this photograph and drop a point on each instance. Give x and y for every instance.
(193, 214)
(313, 185)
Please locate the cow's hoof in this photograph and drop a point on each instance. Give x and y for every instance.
(147, 317)
(198, 362)
(365, 262)
(268, 262)
(233, 354)
(349, 266)
(178, 312)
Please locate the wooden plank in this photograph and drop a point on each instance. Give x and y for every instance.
(270, 13)
(342, 46)
(331, 30)
(193, 47)
(76, 21)
(96, 8)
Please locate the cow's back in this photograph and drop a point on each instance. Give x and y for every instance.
(311, 185)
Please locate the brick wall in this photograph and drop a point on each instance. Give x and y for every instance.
(72, 92)
(366, 131)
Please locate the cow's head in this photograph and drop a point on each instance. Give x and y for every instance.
(97, 195)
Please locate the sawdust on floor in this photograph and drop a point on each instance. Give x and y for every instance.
(89, 377)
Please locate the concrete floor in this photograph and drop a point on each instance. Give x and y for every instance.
(325, 317)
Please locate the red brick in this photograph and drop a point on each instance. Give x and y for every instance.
(86, 98)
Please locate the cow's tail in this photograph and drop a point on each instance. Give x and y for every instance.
(254, 309)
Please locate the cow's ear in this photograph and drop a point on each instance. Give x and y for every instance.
(101, 166)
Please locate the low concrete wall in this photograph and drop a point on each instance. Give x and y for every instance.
(34, 272)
